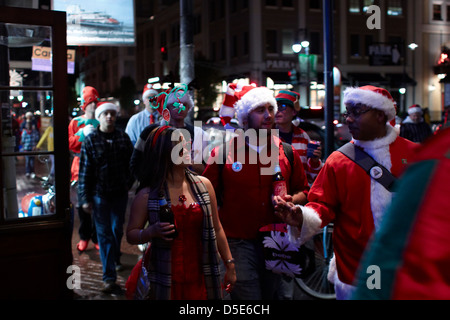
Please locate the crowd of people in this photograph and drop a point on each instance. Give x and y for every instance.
(222, 198)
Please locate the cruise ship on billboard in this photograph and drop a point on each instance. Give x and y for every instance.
(96, 19)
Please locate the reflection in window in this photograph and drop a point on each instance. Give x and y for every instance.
(28, 154)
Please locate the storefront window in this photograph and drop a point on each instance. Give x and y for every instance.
(27, 149)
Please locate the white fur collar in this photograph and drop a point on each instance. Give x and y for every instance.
(380, 198)
(380, 142)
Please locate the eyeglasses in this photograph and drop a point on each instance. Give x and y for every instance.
(282, 107)
(356, 113)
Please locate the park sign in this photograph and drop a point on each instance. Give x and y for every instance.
(384, 54)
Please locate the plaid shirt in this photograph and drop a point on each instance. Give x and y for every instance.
(30, 138)
(104, 165)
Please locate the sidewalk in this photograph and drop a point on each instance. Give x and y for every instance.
(91, 266)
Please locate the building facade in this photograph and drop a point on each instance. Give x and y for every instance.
(252, 39)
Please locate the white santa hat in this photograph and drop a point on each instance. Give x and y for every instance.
(148, 91)
(415, 109)
(374, 97)
(243, 99)
(104, 106)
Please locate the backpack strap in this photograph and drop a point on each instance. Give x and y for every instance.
(375, 170)
(289, 153)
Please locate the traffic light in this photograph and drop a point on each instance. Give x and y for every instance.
(293, 76)
(164, 53)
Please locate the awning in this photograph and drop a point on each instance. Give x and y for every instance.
(366, 78)
(397, 80)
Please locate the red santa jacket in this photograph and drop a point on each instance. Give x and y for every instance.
(76, 138)
(345, 194)
(416, 262)
(246, 194)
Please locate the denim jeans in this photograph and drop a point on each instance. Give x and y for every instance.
(254, 282)
(29, 164)
(109, 217)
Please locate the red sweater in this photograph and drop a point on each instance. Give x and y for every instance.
(247, 204)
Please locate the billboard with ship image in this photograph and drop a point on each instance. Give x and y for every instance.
(99, 22)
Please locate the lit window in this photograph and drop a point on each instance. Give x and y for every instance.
(367, 4)
(354, 6)
(395, 8)
(287, 41)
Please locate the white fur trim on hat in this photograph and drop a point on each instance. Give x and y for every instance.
(414, 109)
(372, 99)
(253, 99)
(103, 107)
(148, 93)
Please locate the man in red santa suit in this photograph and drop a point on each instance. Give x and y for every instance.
(344, 193)
(79, 128)
(243, 178)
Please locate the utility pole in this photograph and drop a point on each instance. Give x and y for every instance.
(328, 76)
(187, 71)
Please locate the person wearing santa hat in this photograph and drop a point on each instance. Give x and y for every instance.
(79, 128)
(142, 119)
(415, 264)
(414, 127)
(246, 189)
(288, 107)
(344, 193)
(105, 179)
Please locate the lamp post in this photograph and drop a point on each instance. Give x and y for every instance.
(297, 48)
(305, 44)
(413, 46)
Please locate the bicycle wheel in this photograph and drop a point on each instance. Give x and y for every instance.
(316, 283)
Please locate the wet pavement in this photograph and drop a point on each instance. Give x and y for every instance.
(91, 266)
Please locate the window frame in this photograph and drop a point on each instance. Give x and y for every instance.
(58, 87)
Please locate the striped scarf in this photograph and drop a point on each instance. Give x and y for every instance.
(160, 265)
